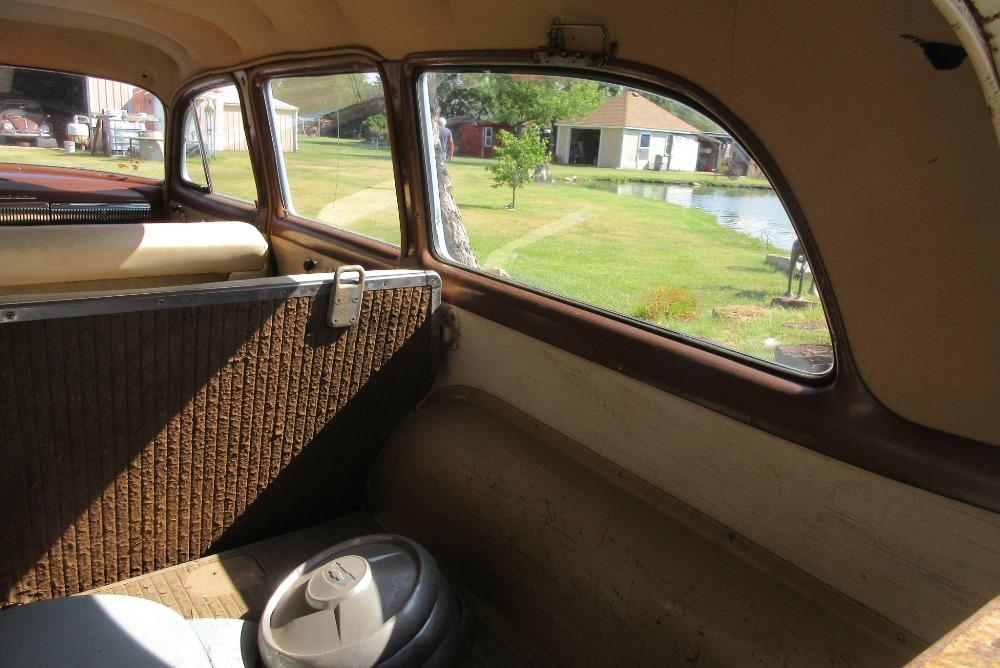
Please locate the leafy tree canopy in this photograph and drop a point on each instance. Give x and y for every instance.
(519, 99)
(376, 127)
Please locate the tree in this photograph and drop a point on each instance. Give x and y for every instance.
(515, 159)
(465, 94)
(518, 99)
(376, 128)
(456, 238)
(523, 100)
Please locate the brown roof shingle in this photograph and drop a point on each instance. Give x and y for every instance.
(632, 110)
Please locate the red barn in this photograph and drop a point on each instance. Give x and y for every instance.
(475, 139)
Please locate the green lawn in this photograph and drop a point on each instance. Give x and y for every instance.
(640, 257)
(327, 169)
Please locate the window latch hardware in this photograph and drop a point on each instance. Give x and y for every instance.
(346, 297)
(554, 52)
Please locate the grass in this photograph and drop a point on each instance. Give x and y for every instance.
(643, 258)
(81, 160)
(626, 254)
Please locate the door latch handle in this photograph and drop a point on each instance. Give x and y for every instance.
(346, 297)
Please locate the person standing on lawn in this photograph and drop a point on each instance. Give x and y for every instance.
(447, 141)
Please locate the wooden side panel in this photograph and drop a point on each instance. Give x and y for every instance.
(589, 566)
(135, 441)
(923, 561)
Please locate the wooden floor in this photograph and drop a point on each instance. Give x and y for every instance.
(237, 584)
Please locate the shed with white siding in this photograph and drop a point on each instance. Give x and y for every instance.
(231, 130)
(221, 117)
(105, 94)
(629, 131)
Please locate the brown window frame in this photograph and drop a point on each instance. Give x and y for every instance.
(202, 197)
(284, 222)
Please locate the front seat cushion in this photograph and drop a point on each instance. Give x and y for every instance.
(100, 630)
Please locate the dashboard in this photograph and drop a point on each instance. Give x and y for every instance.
(39, 195)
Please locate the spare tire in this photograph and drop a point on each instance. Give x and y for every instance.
(377, 600)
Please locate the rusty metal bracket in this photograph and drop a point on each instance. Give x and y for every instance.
(554, 52)
(346, 297)
(450, 328)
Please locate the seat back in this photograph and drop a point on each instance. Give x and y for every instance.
(150, 427)
(64, 258)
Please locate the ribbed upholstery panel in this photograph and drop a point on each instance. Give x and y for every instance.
(136, 441)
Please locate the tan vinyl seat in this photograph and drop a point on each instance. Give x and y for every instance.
(69, 258)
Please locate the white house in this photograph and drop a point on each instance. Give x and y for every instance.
(629, 131)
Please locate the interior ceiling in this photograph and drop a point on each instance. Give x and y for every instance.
(893, 162)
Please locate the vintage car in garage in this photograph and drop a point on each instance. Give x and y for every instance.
(24, 121)
(543, 333)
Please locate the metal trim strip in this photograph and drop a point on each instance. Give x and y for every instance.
(17, 308)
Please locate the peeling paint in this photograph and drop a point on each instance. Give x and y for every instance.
(974, 22)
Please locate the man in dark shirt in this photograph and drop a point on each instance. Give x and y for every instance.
(447, 141)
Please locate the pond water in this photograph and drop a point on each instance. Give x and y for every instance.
(754, 212)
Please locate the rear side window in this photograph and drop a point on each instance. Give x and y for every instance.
(621, 199)
(336, 158)
(216, 156)
(68, 120)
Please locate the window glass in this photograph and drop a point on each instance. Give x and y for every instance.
(335, 151)
(215, 144)
(625, 200)
(69, 120)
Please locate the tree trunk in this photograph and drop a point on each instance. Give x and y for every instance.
(456, 238)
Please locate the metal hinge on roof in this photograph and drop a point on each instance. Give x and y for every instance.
(555, 51)
(346, 297)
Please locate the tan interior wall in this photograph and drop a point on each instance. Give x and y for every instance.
(288, 257)
(923, 561)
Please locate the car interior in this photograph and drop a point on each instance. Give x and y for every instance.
(464, 334)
